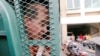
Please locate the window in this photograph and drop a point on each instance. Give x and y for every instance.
(92, 3)
(73, 4)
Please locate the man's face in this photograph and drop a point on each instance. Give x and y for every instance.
(36, 25)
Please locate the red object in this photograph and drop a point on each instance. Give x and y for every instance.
(81, 37)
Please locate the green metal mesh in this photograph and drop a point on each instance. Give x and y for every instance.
(35, 27)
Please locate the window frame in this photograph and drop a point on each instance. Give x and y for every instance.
(73, 5)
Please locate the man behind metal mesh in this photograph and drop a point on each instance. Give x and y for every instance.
(36, 21)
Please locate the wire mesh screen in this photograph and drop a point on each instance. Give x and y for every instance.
(34, 27)
(36, 21)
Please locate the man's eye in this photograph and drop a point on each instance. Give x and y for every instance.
(42, 25)
(42, 21)
(29, 14)
(33, 12)
(28, 10)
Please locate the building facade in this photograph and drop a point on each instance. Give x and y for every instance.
(80, 12)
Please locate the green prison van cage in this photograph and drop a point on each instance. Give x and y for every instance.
(30, 28)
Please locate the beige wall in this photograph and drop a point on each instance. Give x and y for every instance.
(63, 15)
(73, 15)
(64, 33)
(94, 32)
(63, 8)
(92, 13)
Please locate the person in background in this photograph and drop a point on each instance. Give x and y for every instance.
(85, 37)
(72, 37)
(88, 37)
(81, 37)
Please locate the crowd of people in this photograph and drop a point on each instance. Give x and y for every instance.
(84, 37)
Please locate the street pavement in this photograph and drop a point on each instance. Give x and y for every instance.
(86, 49)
